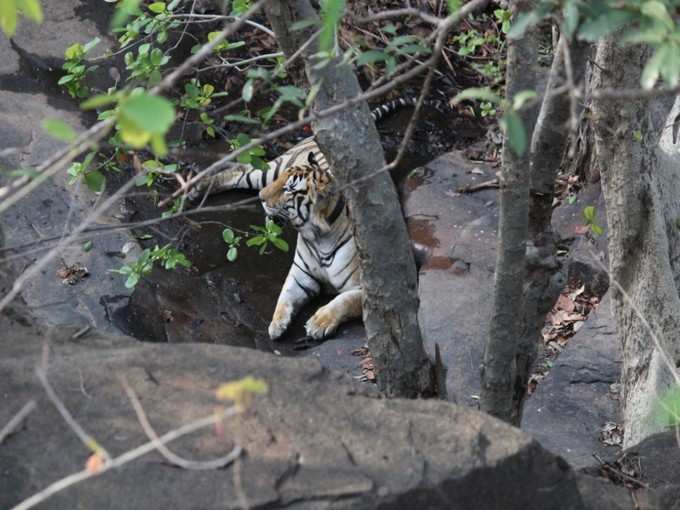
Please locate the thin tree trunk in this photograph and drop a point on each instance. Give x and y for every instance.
(545, 278)
(499, 365)
(389, 279)
(640, 172)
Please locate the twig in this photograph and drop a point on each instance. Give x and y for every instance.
(124, 458)
(493, 183)
(89, 441)
(172, 457)
(16, 420)
(400, 13)
(238, 486)
(608, 466)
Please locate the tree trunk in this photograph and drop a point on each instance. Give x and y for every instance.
(388, 275)
(545, 278)
(500, 356)
(640, 170)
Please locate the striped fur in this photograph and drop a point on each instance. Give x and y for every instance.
(297, 187)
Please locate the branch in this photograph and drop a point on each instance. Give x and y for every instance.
(16, 420)
(172, 457)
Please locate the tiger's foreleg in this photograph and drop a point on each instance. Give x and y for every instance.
(326, 320)
(298, 289)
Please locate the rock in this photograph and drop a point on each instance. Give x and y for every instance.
(456, 281)
(317, 440)
(573, 402)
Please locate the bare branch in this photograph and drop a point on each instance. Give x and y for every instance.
(172, 457)
(16, 420)
(125, 458)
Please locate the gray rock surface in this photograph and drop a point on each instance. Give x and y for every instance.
(456, 281)
(315, 441)
(573, 402)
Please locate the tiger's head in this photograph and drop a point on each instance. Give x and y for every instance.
(303, 196)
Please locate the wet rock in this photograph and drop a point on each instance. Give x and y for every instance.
(573, 402)
(315, 441)
(456, 278)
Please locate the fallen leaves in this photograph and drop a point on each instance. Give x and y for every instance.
(611, 434)
(72, 274)
(366, 364)
(562, 323)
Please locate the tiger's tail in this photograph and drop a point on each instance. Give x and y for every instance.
(250, 178)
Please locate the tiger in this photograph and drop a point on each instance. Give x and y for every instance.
(298, 188)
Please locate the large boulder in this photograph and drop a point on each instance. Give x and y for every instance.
(317, 440)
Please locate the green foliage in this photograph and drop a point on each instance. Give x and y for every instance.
(222, 46)
(398, 46)
(92, 177)
(59, 129)
(147, 64)
(76, 69)
(639, 22)
(589, 213)
(265, 235)
(232, 241)
(253, 156)
(144, 118)
(167, 256)
(10, 10)
(511, 122)
(331, 13)
(153, 169)
(238, 7)
(667, 410)
(503, 17)
(156, 20)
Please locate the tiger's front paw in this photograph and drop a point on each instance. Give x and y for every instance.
(323, 323)
(280, 321)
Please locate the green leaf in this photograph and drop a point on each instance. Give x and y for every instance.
(232, 254)
(247, 92)
(31, 9)
(59, 129)
(228, 235)
(597, 230)
(331, 12)
(657, 10)
(482, 94)
(594, 29)
(668, 408)
(671, 66)
(454, 6)
(65, 79)
(97, 101)
(522, 97)
(371, 57)
(91, 44)
(570, 15)
(132, 281)
(256, 241)
(95, 180)
(652, 70)
(87, 246)
(279, 243)
(515, 132)
(124, 10)
(589, 213)
(522, 23)
(8, 16)
(148, 113)
(157, 7)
